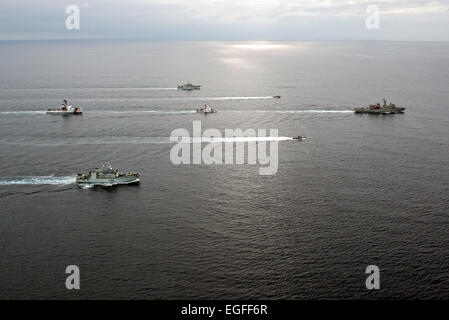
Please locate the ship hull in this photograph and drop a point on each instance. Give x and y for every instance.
(206, 112)
(379, 111)
(107, 182)
(189, 88)
(64, 113)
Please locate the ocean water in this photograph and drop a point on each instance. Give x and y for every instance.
(361, 190)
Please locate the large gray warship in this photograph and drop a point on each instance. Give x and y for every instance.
(378, 109)
(107, 176)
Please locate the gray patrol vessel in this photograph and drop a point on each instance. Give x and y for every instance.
(189, 86)
(378, 109)
(107, 176)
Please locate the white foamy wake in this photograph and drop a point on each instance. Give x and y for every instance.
(174, 112)
(22, 112)
(232, 98)
(144, 112)
(142, 88)
(233, 139)
(220, 111)
(91, 89)
(85, 186)
(299, 111)
(137, 140)
(177, 98)
(39, 180)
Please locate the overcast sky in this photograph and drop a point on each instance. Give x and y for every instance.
(226, 19)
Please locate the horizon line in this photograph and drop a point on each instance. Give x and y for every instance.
(225, 40)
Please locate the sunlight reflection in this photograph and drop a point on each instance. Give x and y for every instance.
(259, 46)
(235, 61)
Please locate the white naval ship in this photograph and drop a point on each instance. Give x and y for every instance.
(65, 109)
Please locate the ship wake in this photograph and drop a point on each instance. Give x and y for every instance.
(191, 111)
(59, 142)
(39, 180)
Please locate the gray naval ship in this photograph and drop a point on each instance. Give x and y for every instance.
(378, 109)
(106, 176)
(189, 87)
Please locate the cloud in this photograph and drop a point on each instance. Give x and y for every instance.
(225, 19)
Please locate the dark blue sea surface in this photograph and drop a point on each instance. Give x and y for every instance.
(361, 190)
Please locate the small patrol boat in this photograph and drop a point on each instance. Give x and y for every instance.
(206, 109)
(65, 109)
(276, 97)
(378, 109)
(299, 138)
(189, 86)
(107, 176)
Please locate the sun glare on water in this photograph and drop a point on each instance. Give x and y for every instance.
(259, 46)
